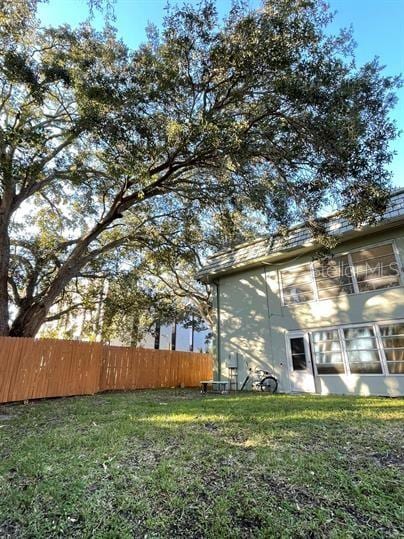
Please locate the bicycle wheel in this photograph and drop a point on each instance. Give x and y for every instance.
(269, 384)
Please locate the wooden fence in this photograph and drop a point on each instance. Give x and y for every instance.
(37, 368)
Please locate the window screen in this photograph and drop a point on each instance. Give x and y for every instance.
(333, 277)
(393, 344)
(376, 268)
(362, 352)
(371, 269)
(327, 352)
(297, 284)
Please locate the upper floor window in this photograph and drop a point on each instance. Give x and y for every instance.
(376, 268)
(333, 277)
(298, 284)
(360, 271)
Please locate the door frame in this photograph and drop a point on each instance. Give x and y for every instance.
(310, 371)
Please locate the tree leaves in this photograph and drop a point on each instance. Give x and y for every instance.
(209, 133)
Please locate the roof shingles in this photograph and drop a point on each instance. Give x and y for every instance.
(298, 236)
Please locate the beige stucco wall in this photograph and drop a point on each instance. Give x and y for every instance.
(254, 323)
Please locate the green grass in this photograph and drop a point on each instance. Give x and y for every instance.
(175, 464)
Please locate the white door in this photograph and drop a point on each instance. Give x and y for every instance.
(300, 364)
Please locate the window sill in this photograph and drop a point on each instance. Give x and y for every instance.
(316, 301)
(359, 375)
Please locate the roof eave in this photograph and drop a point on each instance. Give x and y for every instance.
(278, 256)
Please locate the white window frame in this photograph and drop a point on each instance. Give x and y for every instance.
(313, 359)
(353, 274)
(337, 255)
(379, 346)
(313, 282)
(316, 299)
(372, 246)
(386, 323)
(373, 325)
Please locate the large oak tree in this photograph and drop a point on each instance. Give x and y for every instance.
(103, 149)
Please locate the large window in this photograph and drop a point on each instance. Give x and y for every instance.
(327, 352)
(360, 271)
(362, 352)
(298, 284)
(374, 349)
(333, 277)
(393, 344)
(376, 268)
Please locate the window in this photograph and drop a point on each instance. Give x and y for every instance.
(369, 269)
(362, 352)
(393, 345)
(371, 349)
(376, 268)
(327, 352)
(298, 350)
(333, 277)
(297, 284)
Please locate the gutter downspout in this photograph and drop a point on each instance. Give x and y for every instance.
(218, 336)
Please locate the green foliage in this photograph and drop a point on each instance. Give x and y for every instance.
(135, 304)
(213, 131)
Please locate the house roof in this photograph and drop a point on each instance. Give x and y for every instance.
(297, 238)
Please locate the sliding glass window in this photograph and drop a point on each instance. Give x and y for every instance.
(392, 337)
(365, 270)
(333, 277)
(376, 268)
(372, 349)
(327, 352)
(297, 284)
(362, 352)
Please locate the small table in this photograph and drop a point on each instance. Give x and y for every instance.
(217, 386)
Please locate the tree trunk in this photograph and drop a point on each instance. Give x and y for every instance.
(100, 314)
(32, 314)
(29, 320)
(135, 336)
(5, 213)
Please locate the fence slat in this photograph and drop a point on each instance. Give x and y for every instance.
(39, 368)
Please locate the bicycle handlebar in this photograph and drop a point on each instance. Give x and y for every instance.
(257, 371)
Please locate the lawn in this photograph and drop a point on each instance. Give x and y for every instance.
(175, 464)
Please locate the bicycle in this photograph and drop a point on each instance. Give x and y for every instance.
(264, 381)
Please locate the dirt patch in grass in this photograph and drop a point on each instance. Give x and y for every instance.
(303, 499)
(9, 529)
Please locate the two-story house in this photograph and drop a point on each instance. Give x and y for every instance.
(333, 325)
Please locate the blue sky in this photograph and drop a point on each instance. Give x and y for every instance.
(378, 30)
